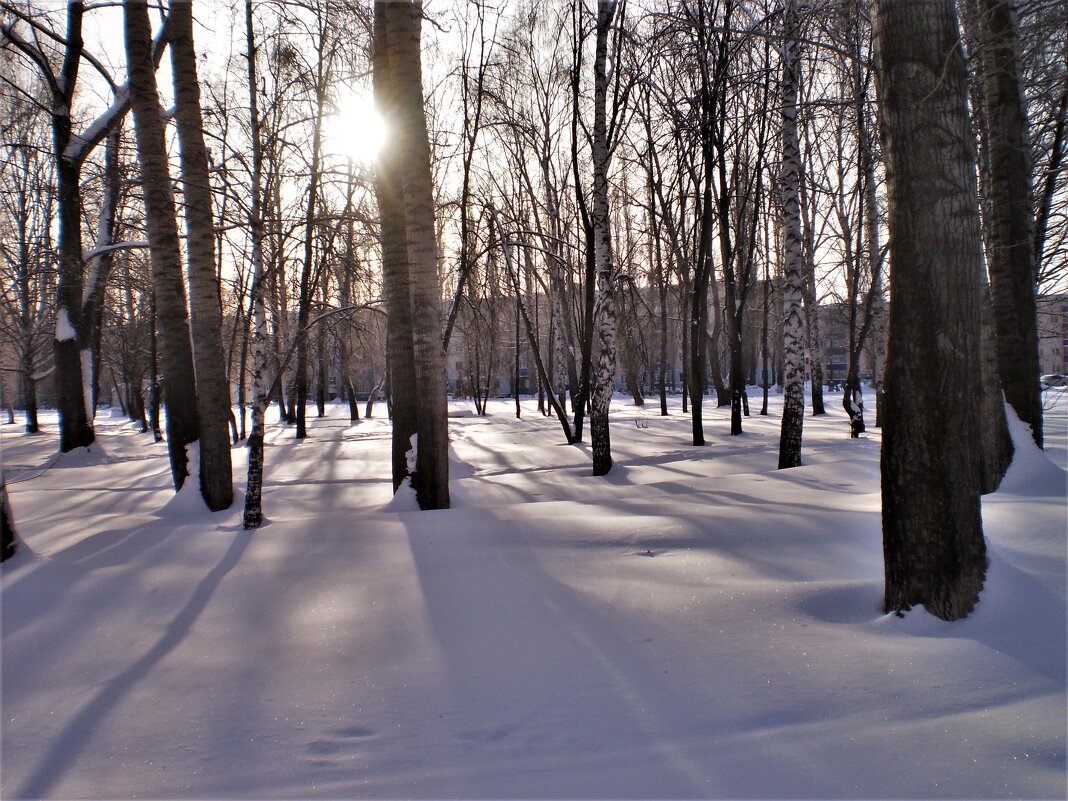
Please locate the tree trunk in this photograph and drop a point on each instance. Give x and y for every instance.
(410, 269)
(179, 389)
(153, 370)
(75, 419)
(933, 543)
(793, 409)
(252, 516)
(605, 309)
(93, 300)
(7, 522)
(995, 445)
(205, 309)
(1010, 221)
(396, 290)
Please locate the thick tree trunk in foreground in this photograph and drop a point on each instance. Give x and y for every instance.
(179, 390)
(410, 269)
(933, 543)
(205, 309)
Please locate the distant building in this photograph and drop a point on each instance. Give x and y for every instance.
(1053, 334)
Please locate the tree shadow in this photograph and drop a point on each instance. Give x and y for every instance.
(70, 742)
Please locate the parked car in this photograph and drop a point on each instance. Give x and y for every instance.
(1053, 380)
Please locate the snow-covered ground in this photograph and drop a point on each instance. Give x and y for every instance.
(697, 624)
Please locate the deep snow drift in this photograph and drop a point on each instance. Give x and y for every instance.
(697, 624)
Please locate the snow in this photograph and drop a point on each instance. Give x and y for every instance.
(694, 624)
(64, 329)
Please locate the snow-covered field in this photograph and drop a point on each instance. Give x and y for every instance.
(697, 624)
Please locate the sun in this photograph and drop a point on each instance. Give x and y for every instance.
(355, 130)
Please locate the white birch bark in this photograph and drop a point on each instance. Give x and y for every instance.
(793, 412)
(604, 309)
(253, 514)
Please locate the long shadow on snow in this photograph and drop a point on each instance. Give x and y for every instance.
(69, 742)
(40, 588)
(538, 672)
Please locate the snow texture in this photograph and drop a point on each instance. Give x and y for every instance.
(696, 624)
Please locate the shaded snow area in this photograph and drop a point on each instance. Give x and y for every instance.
(697, 624)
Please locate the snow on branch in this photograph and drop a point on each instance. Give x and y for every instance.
(104, 249)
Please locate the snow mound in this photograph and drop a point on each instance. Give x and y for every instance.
(1032, 472)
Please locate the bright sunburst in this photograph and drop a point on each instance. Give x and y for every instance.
(355, 130)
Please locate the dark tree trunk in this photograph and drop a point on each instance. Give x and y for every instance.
(1009, 217)
(75, 422)
(7, 523)
(29, 392)
(179, 386)
(205, 319)
(933, 543)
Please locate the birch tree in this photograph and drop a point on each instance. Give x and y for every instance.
(604, 311)
(253, 513)
(793, 411)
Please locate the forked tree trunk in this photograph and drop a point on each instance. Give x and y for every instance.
(205, 309)
(179, 390)
(933, 543)
(793, 408)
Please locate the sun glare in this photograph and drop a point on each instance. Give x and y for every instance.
(355, 130)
